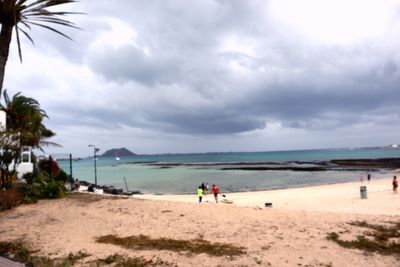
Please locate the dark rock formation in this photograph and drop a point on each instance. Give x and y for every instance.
(307, 166)
(118, 152)
(384, 163)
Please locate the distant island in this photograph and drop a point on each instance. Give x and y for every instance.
(118, 152)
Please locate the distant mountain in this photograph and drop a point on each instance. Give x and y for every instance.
(118, 152)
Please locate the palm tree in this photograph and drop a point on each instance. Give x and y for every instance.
(24, 118)
(24, 128)
(27, 13)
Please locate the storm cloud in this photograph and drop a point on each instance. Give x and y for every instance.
(196, 76)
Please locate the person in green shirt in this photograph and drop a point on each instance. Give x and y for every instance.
(200, 193)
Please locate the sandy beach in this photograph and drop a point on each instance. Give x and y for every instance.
(292, 233)
(340, 198)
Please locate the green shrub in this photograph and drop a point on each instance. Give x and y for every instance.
(30, 193)
(40, 184)
(52, 189)
(17, 249)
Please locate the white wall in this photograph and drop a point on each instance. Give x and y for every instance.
(2, 120)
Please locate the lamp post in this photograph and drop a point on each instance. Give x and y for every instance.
(95, 149)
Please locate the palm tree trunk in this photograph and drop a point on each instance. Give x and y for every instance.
(5, 40)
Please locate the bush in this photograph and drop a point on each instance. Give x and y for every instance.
(50, 167)
(28, 177)
(40, 184)
(10, 198)
(62, 176)
(31, 193)
(52, 189)
(7, 179)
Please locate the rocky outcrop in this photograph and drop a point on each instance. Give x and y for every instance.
(118, 152)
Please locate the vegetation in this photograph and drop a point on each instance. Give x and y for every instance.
(18, 251)
(21, 253)
(43, 183)
(379, 239)
(25, 128)
(196, 246)
(47, 182)
(9, 146)
(21, 15)
(24, 119)
(10, 198)
(121, 261)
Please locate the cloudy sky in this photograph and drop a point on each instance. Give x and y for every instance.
(161, 76)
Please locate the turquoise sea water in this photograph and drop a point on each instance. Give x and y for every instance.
(184, 179)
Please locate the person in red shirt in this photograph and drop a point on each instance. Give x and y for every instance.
(215, 191)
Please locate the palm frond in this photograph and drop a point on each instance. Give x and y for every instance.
(6, 97)
(27, 35)
(48, 3)
(52, 20)
(51, 29)
(48, 143)
(18, 43)
(23, 22)
(35, 12)
(24, 116)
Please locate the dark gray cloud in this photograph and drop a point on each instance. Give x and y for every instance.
(130, 63)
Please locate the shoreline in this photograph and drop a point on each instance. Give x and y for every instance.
(335, 197)
(237, 176)
(331, 177)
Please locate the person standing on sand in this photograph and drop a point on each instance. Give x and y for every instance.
(200, 193)
(369, 177)
(76, 185)
(395, 184)
(203, 186)
(215, 191)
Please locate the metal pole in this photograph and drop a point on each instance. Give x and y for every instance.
(50, 169)
(95, 166)
(70, 166)
(71, 180)
(95, 149)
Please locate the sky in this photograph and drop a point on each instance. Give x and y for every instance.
(178, 76)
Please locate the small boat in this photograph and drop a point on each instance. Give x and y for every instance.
(117, 158)
(227, 201)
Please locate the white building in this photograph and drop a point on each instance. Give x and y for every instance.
(26, 165)
(2, 120)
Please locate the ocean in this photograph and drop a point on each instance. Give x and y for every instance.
(183, 173)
